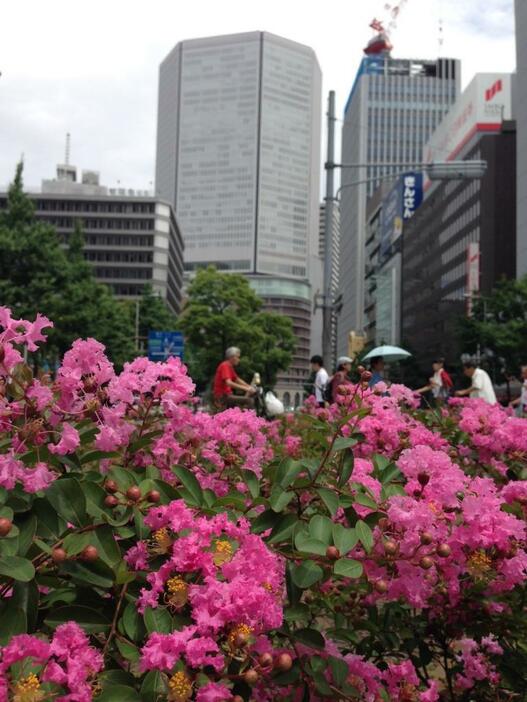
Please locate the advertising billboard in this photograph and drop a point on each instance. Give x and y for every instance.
(472, 275)
(399, 205)
(163, 344)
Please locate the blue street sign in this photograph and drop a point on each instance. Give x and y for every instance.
(163, 344)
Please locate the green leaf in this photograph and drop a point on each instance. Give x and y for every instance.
(346, 469)
(344, 539)
(109, 551)
(190, 482)
(91, 456)
(348, 568)
(280, 499)
(128, 650)
(131, 623)
(158, 619)
(26, 597)
(391, 473)
(380, 462)
(365, 501)
(287, 472)
(119, 693)
(142, 530)
(13, 621)
(252, 482)
(297, 613)
(344, 442)
(330, 499)
(91, 620)
(365, 535)
(75, 543)
(95, 496)
(153, 688)
(306, 574)
(97, 574)
(320, 527)
(28, 528)
(264, 521)
(67, 497)
(310, 637)
(339, 670)
(124, 478)
(317, 664)
(306, 544)
(17, 568)
(283, 530)
(49, 524)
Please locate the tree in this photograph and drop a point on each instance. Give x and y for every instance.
(154, 314)
(499, 324)
(222, 310)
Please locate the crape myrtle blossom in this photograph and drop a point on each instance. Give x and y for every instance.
(67, 662)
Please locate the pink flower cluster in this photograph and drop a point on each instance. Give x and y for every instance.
(224, 576)
(68, 662)
(475, 661)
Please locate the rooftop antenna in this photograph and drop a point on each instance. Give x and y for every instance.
(67, 156)
(440, 36)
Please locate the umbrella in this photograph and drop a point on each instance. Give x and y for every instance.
(389, 353)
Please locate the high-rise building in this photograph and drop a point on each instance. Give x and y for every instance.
(462, 239)
(131, 238)
(393, 107)
(238, 156)
(520, 104)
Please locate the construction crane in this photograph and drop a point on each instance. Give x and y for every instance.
(384, 27)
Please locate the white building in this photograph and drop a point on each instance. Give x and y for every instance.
(238, 155)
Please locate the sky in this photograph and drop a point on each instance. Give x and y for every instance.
(91, 68)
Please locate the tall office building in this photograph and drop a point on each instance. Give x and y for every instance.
(238, 156)
(521, 135)
(393, 107)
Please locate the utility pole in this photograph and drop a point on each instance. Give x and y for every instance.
(327, 309)
(137, 304)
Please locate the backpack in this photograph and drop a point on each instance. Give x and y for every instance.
(327, 393)
(447, 380)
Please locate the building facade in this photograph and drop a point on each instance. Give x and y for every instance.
(462, 239)
(238, 156)
(335, 266)
(131, 238)
(393, 108)
(521, 134)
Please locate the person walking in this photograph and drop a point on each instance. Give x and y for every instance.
(481, 384)
(377, 371)
(341, 376)
(226, 380)
(321, 379)
(440, 384)
(520, 403)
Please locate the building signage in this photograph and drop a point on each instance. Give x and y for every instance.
(412, 193)
(472, 274)
(483, 106)
(163, 344)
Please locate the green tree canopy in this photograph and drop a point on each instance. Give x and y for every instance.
(499, 323)
(223, 310)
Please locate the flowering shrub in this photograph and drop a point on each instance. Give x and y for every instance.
(366, 551)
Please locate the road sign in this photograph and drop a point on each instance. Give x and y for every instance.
(163, 344)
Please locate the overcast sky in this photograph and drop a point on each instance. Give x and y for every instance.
(91, 68)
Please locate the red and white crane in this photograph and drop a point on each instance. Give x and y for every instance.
(384, 27)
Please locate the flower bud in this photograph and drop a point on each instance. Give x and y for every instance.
(111, 486)
(265, 660)
(426, 538)
(251, 677)
(381, 586)
(89, 554)
(153, 496)
(444, 550)
(283, 663)
(332, 553)
(133, 493)
(390, 548)
(58, 555)
(426, 563)
(111, 501)
(423, 478)
(241, 640)
(5, 526)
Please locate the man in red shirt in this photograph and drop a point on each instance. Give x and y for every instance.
(226, 380)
